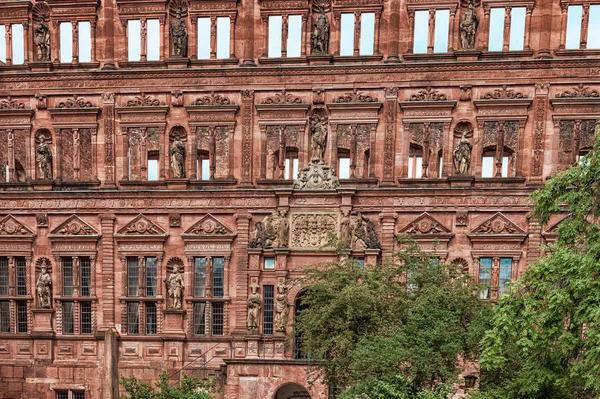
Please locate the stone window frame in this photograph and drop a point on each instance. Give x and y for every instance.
(508, 5)
(356, 7)
(582, 50)
(13, 14)
(14, 119)
(453, 32)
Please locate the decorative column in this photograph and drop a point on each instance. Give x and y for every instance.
(8, 29)
(93, 43)
(241, 284)
(232, 20)
(372, 152)
(284, 35)
(144, 40)
(564, 8)
(411, 30)
(25, 41)
(426, 148)
(247, 124)
(212, 151)
(539, 128)
(107, 25)
(357, 20)
(193, 42)
(485, 28)
(265, 25)
(57, 154)
(248, 38)
(452, 26)
(165, 48)
(519, 150)
(528, 13)
(377, 29)
(585, 20)
(55, 43)
(11, 155)
(499, 148)
(431, 31)
(353, 134)
(75, 44)
(507, 19)
(108, 112)
(213, 37)
(305, 46)
(576, 140)
(107, 295)
(394, 29)
(336, 33)
(76, 155)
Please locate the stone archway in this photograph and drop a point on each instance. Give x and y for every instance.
(292, 391)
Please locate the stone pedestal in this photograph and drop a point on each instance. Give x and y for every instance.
(177, 63)
(177, 183)
(43, 185)
(40, 66)
(467, 55)
(461, 181)
(319, 59)
(173, 324)
(252, 345)
(42, 323)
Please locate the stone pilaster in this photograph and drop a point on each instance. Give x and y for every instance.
(241, 281)
(388, 227)
(107, 222)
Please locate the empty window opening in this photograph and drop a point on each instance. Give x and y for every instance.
(134, 38)
(153, 165)
(153, 40)
(275, 39)
(66, 42)
(223, 37)
(442, 28)
(517, 28)
(421, 32)
(593, 38)
(203, 166)
(367, 33)
(415, 163)
(85, 41)
(347, 34)
(18, 44)
(496, 39)
(573, 39)
(343, 164)
(294, 38)
(203, 38)
(3, 43)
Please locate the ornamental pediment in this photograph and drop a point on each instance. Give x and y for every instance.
(208, 226)
(212, 109)
(282, 106)
(74, 227)
(505, 101)
(576, 101)
(551, 233)
(497, 225)
(15, 112)
(425, 225)
(141, 227)
(9, 226)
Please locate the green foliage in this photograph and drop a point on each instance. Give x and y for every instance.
(544, 340)
(379, 336)
(189, 388)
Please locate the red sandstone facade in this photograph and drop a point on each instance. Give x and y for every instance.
(111, 233)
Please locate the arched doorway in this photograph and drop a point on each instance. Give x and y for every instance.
(292, 391)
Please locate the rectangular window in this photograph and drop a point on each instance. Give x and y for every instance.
(199, 318)
(85, 310)
(21, 269)
(504, 166)
(593, 38)
(67, 276)
(344, 168)
(68, 318)
(496, 39)
(415, 167)
(150, 318)
(347, 34)
(133, 275)
(268, 292)
(66, 42)
(18, 44)
(204, 168)
(573, 39)
(152, 169)
(291, 168)
(367, 33)
(360, 261)
(3, 43)
(487, 167)
(5, 316)
(78, 395)
(85, 41)
(151, 276)
(442, 28)
(134, 40)
(294, 39)
(153, 40)
(203, 38)
(517, 28)
(485, 277)
(269, 263)
(21, 316)
(505, 274)
(73, 395)
(275, 26)
(223, 37)
(62, 394)
(133, 319)
(4, 276)
(218, 277)
(421, 33)
(199, 277)
(85, 277)
(217, 318)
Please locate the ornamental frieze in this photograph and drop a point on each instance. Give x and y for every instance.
(283, 98)
(145, 100)
(213, 99)
(312, 230)
(75, 102)
(11, 103)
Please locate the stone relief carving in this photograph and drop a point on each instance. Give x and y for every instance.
(424, 224)
(429, 94)
(213, 99)
(318, 132)
(44, 158)
(498, 224)
(179, 35)
(254, 306)
(11, 103)
(41, 39)
(462, 155)
(355, 97)
(281, 308)
(579, 91)
(502, 94)
(144, 100)
(142, 226)
(358, 232)
(208, 225)
(75, 102)
(175, 287)
(272, 232)
(312, 230)
(468, 28)
(11, 226)
(177, 155)
(174, 220)
(282, 98)
(41, 219)
(462, 218)
(316, 175)
(43, 286)
(320, 34)
(74, 226)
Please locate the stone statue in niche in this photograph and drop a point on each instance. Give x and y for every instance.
(177, 154)
(468, 28)
(179, 36)
(254, 306)
(42, 286)
(272, 232)
(44, 158)
(318, 129)
(462, 156)
(358, 232)
(281, 308)
(320, 34)
(175, 288)
(41, 38)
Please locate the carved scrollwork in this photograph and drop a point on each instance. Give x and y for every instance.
(11, 226)
(579, 91)
(11, 103)
(213, 99)
(316, 175)
(355, 97)
(429, 94)
(75, 102)
(282, 98)
(144, 100)
(502, 94)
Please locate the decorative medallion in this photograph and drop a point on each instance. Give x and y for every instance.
(141, 226)
(208, 225)
(10, 226)
(497, 224)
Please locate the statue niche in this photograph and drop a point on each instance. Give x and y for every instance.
(177, 152)
(319, 38)
(318, 135)
(179, 35)
(281, 308)
(175, 286)
(43, 156)
(461, 156)
(468, 28)
(43, 286)
(41, 39)
(254, 306)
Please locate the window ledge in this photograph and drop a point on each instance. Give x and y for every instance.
(141, 299)
(495, 55)
(16, 298)
(434, 57)
(200, 184)
(72, 299)
(77, 65)
(208, 299)
(76, 185)
(209, 338)
(282, 60)
(19, 67)
(15, 186)
(357, 58)
(275, 182)
(142, 64)
(423, 182)
(499, 181)
(369, 182)
(577, 52)
(196, 63)
(157, 184)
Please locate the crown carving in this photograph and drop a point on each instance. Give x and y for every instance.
(283, 98)
(10, 226)
(141, 226)
(502, 94)
(11, 103)
(144, 100)
(579, 91)
(429, 94)
(213, 99)
(75, 102)
(355, 96)
(74, 226)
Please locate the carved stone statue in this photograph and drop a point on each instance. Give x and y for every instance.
(44, 158)
(281, 308)
(42, 286)
(272, 232)
(41, 38)
(179, 36)
(318, 130)
(177, 153)
(462, 156)
(468, 28)
(358, 232)
(254, 306)
(320, 34)
(175, 288)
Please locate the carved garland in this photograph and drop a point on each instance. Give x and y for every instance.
(11, 103)
(213, 99)
(144, 100)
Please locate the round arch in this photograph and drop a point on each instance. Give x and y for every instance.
(291, 391)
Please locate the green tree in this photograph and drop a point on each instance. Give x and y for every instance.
(544, 340)
(188, 388)
(373, 333)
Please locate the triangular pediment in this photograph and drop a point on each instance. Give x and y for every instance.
(498, 224)
(9, 226)
(424, 224)
(141, 226)
(74, 226)
(208, 226)
(553, 229)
